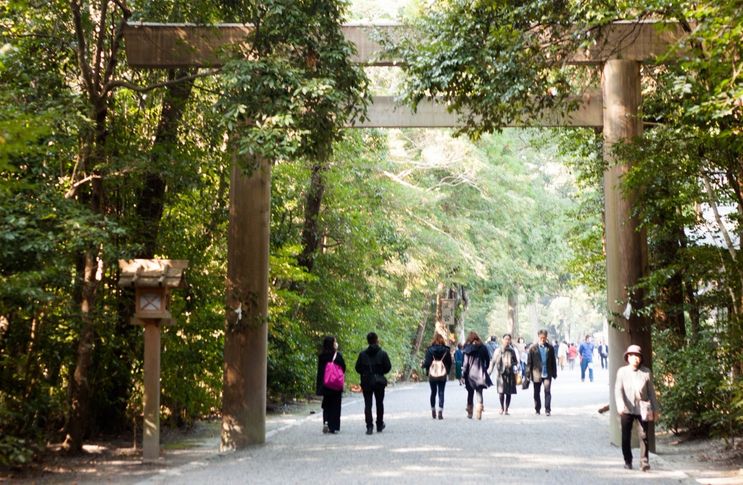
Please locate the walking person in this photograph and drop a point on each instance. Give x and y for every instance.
(541, 367)
(634, 396)
(506, 364)
(437, 361)
(459, 360)
(572, 355)
(474, 373)
(372, 364)
(521, 348)
(562, 355)
(604, 354)
(331, 398)
(586, 359)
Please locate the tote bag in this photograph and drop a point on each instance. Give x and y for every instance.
(333, 378)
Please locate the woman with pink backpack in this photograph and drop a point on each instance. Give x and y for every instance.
(331, 369)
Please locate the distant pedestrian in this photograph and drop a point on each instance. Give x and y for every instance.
(521, 348)
(541, 368)
(572, 355)
(492, 345)
(604, 354)
(438, 351)
(505, 363)
(372, 364)
(475, 373)
(586, 359)
(331, 398)
(562, 355)
(459, 360)
(634, 396)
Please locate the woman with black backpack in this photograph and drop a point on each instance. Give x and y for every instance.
(437, 364)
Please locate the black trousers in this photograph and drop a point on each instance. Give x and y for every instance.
(331, 409)
(378, 394)
(627, 421)
(437, 387)
(547, 395)
(471, 393)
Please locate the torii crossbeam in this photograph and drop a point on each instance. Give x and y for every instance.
(620, 48)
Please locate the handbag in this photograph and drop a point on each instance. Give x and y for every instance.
(646, 411)
(333, 378)
(519, 379)
(525, 382)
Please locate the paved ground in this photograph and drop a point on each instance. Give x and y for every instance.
(572, 446)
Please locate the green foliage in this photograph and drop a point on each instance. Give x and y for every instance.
(290, 92)
(695, 386)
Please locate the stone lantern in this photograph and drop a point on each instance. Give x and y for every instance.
(152, 279)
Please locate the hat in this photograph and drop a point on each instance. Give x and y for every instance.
(633, 349)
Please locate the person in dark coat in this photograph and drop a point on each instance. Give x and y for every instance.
(474, 372)
(331, 399)
(505, 363)
(438, 350)
(459, 361)
(541, 368)
(372, 364)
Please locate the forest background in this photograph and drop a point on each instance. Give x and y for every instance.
(101, 162)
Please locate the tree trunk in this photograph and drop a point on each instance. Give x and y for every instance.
(669, 309)
(151, 201)
(79, 416)
(310, 231)
(419, 335)
(512, 323)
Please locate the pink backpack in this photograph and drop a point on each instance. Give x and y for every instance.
(333, 377)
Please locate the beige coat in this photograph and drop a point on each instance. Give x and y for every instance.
(633, 386)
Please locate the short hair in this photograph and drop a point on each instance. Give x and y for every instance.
(542, 332)
(507, 335)
(587, 337)
(371, 338)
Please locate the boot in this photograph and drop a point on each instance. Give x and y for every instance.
(433, 413)
(441, 414)
(469, 411)
(478, 411)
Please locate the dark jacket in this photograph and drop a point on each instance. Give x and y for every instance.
(437, 352)
(322, 361)
(475, 367)
(372, 364)
(534, 363)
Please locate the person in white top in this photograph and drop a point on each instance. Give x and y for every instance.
(634, 396)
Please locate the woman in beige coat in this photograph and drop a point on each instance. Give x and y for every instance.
(634, 396)
(506, 364)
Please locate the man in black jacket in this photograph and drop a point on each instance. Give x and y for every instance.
(541, 368)
(372, 364)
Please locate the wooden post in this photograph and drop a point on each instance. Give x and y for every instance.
(625, 246)
(151, 405)
(246, 336)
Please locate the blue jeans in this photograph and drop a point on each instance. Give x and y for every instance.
(583, 366)
(437, 387)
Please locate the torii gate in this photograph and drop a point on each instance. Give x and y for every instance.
(619, 49)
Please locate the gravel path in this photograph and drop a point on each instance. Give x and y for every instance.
(572, 446)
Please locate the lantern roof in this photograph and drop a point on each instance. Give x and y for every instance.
(152, 272)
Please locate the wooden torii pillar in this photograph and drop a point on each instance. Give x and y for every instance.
(619, 49)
